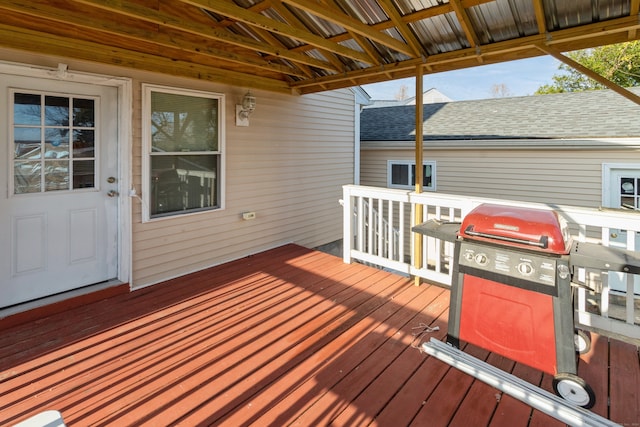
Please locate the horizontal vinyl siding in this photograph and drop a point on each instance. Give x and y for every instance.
(288, 167)
(571, 177)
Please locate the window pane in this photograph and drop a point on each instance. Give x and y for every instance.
(27, 143)
(56, 111)
(56, 175)
(83, 143)
(56, 143)
(426, 176)
(400, 174)
(182, 183)
(83, 112)
(26, 109)
(181, 123)
(27, 177)
(627, 186)
(83, 174)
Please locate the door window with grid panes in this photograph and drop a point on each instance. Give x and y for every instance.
(54, 142)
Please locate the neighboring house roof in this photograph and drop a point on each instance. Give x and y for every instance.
(593, 114)
(429, 96)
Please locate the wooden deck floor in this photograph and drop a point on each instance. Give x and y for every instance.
(287, 337)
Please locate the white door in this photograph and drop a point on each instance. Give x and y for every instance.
(58, 187)
(623, 192)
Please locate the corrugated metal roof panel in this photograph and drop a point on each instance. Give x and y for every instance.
(364, 10)
(440, 34)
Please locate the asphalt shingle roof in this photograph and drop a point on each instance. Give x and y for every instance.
(593, 114)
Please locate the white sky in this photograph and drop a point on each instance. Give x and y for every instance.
(521, 78)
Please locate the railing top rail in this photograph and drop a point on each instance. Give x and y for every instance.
(596, 217)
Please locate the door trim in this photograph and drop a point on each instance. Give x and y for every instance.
(124, 105)
(607, 171)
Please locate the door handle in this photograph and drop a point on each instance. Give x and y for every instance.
(113, 193)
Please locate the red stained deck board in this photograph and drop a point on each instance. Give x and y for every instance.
(593, 367)
(223, 356)
(342, 355)
(481, 401)
(249, 363)
(360, 394)
(624, 380)
(510, 411)
(441, 405)
(289, 335)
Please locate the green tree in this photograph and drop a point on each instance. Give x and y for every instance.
(619, 63)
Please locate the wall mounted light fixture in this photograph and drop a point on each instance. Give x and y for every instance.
(244, 110)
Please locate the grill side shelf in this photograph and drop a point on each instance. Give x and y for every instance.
(591, 255)
(442, 230)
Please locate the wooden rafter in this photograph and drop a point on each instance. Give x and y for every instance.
(403, 28)
(336, 16)
(97, 23)
(590, 73)
(29, 40)
(538, 7)
(303, 46)
(634, 9)
(248, 17)
(465, 22)
(293, 20)
(524, 47)
(150, 15)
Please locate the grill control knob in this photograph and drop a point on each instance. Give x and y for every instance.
(482, 259)
(525, 269)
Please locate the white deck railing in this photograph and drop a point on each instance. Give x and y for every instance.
(612, 309)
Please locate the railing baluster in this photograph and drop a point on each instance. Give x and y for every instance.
(387, 223)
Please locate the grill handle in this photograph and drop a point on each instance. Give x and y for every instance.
(543, 243)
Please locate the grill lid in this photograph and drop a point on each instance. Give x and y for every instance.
(536, 229)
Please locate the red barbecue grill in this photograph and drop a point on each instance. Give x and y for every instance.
(511, 288)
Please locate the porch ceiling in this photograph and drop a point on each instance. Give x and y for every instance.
(305, 46)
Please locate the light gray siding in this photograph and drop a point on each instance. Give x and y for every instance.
(288, 167)
(571, 176)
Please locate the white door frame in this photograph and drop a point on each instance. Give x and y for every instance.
(607, 169)
(124, 87)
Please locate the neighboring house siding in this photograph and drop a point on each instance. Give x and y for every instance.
(547, 148)
(288, 167)
(561, 176)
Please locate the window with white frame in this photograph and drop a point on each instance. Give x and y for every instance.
(184, 140)
(401, 174)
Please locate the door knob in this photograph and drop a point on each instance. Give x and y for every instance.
(111, 179)
(113, 193)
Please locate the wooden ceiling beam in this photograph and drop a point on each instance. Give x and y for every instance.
(133, 10)
(589, 73)
(336, 16)
(538, 8)
(97, 23)
(614, 31)
(465, 22)
(241, 14)
(392, 12)
(634, 9)
(39, 42)
(293, 20)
